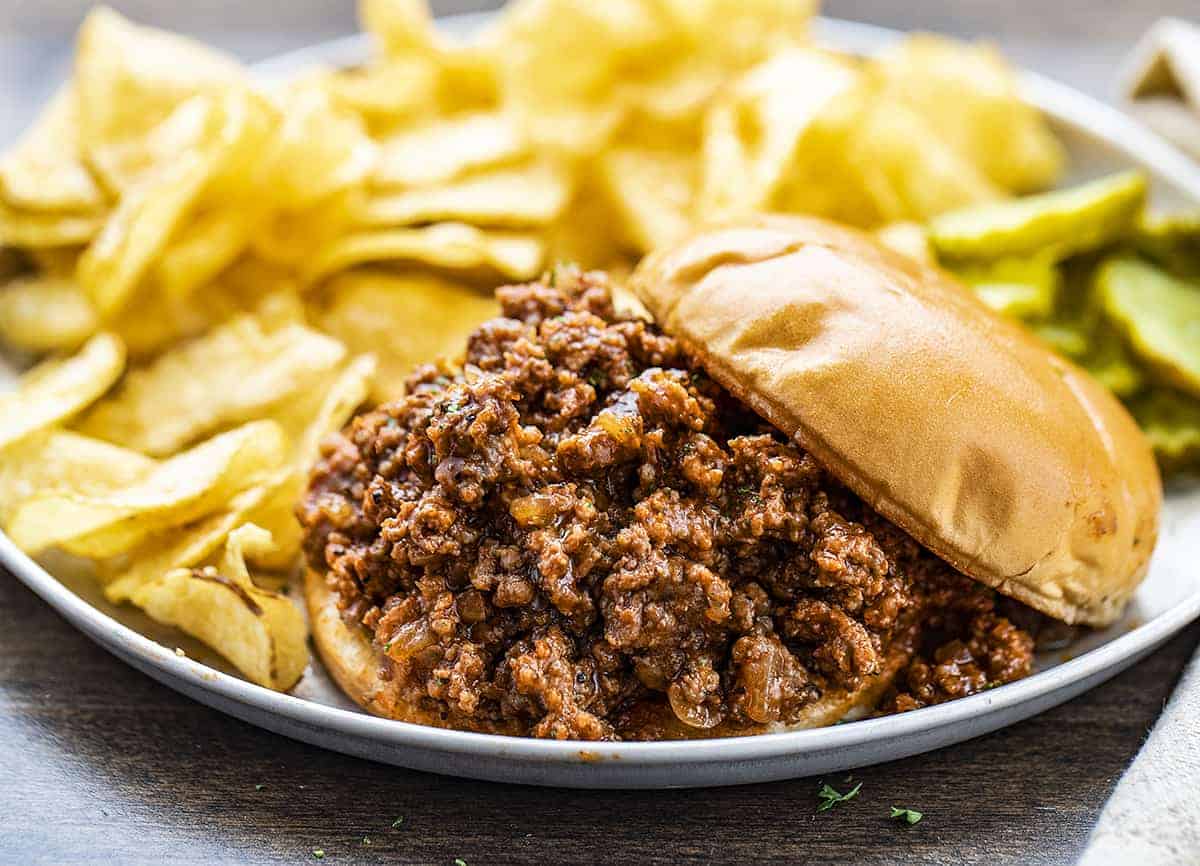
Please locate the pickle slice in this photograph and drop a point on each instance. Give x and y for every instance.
(1171, 421)
(1159, 313)
(1063, 222)
(1171, 240)
(1024, 288)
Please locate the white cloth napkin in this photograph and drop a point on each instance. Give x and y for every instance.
(1153, 816)
(1162, 82)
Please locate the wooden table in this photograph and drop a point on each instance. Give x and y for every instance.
(99, 763)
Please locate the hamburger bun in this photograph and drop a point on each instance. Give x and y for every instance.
(1007, 461)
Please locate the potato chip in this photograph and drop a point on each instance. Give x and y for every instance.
(531, 195)
(55, 261)
(130, 78)
(868, 162)
(753, 130)
(1159, 314)
(57, 390)
(556, 52)
(968, 93)
(45, 314)
(738, 33)
(319, 150)
(181, 546)
(1068, 221)
(262, 633)
(233, 130)
(23, 228)
(247, 370)
(404, 319)
(446, 149)
(455, 246)
(288, 239)
(403, 27)
(1171, 421)
(308, 423)
(120, 165)
(389, 92)
(203, 248)
(652, 191)
(177, 491)
(1024, 288)
(43, 171)
(57, 460)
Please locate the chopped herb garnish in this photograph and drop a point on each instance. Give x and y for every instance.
(258, 787)
(319, 853)
(906, 816)
(830, 796)
(366, 840)
(597, 379)
(398, 822)
(458, 861)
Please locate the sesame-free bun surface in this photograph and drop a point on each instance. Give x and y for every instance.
(1007, 461)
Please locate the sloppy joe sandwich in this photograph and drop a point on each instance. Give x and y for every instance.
(824, 482)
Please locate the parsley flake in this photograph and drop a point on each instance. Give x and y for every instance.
(458, 861)
(830, 796)
(319, 853)
(259, 786)
(398, 822)
(906, 816)
(366, 840)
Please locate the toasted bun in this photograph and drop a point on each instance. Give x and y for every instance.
(349, 656)
(356, 665)
(1008, 462)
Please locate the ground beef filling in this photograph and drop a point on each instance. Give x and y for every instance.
(583, 536)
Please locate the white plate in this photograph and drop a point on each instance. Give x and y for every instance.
(1100, 139)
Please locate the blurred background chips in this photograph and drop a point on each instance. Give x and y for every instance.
(219, 272)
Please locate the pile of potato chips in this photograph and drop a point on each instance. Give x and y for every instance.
(219, 272)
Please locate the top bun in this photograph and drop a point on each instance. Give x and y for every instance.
(1005, 460)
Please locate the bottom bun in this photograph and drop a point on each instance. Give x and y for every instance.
(361, 671)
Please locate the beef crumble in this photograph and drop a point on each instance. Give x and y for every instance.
(583, 536)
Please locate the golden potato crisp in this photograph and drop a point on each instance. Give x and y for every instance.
(404, 319)
(446, 149)
(245, 369)
(968, 93)
(177, 491)
(43, 171)
(57, 460)
(57, 390)
(45, 314)
(518, 197)
(261, 632)
(453, 246)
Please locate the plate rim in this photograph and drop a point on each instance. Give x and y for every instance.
(185, 674)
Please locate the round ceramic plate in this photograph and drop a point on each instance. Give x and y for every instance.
(1100, 139)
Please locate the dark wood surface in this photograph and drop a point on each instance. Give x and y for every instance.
(98, 763)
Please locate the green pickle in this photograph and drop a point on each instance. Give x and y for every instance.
(1059, 224)
(1171, 421)
(1023, 288)
(1173, 241)
(1160, 315)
